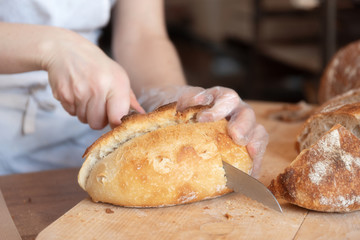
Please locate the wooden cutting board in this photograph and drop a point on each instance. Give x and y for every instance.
(229, 217)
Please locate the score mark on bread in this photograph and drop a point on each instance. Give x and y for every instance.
(162, 158)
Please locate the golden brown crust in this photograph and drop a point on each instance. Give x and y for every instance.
(325, 177)
(131, 126)
(129, 119)
(171, 159)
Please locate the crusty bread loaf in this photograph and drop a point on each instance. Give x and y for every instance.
(160, 159)
(343, 109)
(342, 73)
(325, 177)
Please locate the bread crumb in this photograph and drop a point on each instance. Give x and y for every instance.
(228, 216)
(28, 200)
(206, 207)
(108, 210)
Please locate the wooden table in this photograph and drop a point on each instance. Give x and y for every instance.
(37, 199)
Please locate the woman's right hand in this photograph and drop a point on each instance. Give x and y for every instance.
(88, 83)
(83, 78)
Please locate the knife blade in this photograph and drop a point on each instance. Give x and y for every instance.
(243, 183)
(8, 229)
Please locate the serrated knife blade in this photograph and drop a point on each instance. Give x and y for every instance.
(243, 183)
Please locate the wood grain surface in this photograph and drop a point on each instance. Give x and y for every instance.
(37, 199)
(229, 217)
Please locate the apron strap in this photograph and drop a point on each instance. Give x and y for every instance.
(29, 104)
(28, 124)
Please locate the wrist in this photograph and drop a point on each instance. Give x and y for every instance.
(50, 44)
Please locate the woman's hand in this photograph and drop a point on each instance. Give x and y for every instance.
(88, 83)
(226, 103)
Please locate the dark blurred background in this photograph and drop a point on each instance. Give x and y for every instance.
(270, 50)
(273, 50)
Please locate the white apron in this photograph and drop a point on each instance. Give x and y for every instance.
(35, 131)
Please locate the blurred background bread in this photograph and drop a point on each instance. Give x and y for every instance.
(342, 73)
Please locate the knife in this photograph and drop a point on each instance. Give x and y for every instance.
(243, 183)
(7, 226)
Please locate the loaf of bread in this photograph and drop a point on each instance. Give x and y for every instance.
(162, 158)
(342, 73)
(343, 109)
(324, 177)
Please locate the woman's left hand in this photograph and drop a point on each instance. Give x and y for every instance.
(226, 103)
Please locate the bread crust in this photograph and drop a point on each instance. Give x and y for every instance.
(324, 177)
(336, 111)
(164, 158)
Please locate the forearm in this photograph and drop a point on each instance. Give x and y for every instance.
(150, 63)
(142, 47)
(23, 46)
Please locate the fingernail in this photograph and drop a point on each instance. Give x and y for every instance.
(204, 117)
(258, 149)
(203, 99)
(242, 140)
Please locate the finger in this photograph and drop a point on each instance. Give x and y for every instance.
(82, 97)
(66, 97)
(70, 108)
(193, 96)
(81, 107)
(134, 104)
(117, 106)
(96, 114)
(241, 125)
(225, 101)
(67, 100)
(257, 147)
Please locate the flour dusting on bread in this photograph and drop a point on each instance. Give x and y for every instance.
(324, 177)
(343, 202)
(342, 72)
(319, 171)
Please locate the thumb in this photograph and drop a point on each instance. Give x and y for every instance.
(134, 104)
(117, 106)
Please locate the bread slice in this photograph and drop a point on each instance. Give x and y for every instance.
(160, 159)
(349, 97)
(325, 177)
(343, 109)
